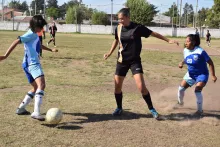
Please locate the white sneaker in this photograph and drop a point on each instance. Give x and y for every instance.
(55, 46)
(37, 116)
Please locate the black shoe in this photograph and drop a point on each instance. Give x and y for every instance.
(117, 112)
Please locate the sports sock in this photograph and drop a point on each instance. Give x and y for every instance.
(147, 99)
(199, 99)
(27, 99)
(181, 92)
(38, 100)
(118, 98)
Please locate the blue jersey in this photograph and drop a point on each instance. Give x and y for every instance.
(196, 61)
(31, 48)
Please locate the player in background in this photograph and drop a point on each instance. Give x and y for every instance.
(208, 38)
(53, 30)
(195, 58)
(31, 65)
(128, 35)
(41, 34)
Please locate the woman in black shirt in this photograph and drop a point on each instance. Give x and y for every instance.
(53, 30)
(128, 35)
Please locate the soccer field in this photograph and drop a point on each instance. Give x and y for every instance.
(80, 83)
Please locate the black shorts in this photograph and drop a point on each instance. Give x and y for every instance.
(52, 35)
(122, 68)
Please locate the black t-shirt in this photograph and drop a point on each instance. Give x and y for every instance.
(208, 35)
(131, 41)
(53, 29)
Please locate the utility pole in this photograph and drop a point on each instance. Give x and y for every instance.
(196, 13)
(177, 6)
(35, 7)
(2, 10)
(111, 14)
(13, 17)
(45, 9)
(173, 14)
(180, 13)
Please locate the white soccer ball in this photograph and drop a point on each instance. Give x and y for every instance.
(54, 116)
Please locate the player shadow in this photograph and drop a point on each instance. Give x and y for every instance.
(92, 117)
(187, 116)
(62, 126)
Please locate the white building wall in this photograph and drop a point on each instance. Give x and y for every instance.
(101, 29)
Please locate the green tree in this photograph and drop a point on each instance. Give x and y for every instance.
(172, 12)
(52, 12)
(70, 15)
(24, 6)
(141, 11)
(188, 15)
(52, 3)
(39, 6)
(100, 18)
(203, 16)
(213, 17)
(14, 4)
(63, 10)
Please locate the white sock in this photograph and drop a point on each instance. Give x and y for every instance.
(199, 99)
(181, 92)
(38, 101)
(27, 99)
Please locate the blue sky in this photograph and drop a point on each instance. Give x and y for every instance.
(104, 5)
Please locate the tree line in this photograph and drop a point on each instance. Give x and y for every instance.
(141, 12)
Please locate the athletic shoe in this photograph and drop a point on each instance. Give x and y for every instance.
(178, 104)
(154, 113)
(37, 116)
(198, 113)
(22, 111)
(55, 46)
(117, 112)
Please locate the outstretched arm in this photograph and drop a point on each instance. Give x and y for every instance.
(114, 45)
(10, 49)
(212, 70)
(159, 36)
(181, 64)
(48, 49)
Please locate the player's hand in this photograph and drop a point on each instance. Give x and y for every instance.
(181, 65)
(54, 50)
(2, 58)
(214, 78)
(173, 41)
(106, 56)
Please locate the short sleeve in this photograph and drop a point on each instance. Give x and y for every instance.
(116, 33)
(205, 56)
(144, 31)
(26, 37)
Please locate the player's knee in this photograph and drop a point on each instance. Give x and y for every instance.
(42, 86)
(181, 88)
(198, 90)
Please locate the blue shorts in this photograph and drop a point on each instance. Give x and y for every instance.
(191, 81)
(32, 72)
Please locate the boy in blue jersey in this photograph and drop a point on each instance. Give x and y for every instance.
(31, 65)
(196, 60)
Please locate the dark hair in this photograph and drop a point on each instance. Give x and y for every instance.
(195, 39)
(37, 21)
(125, 12)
